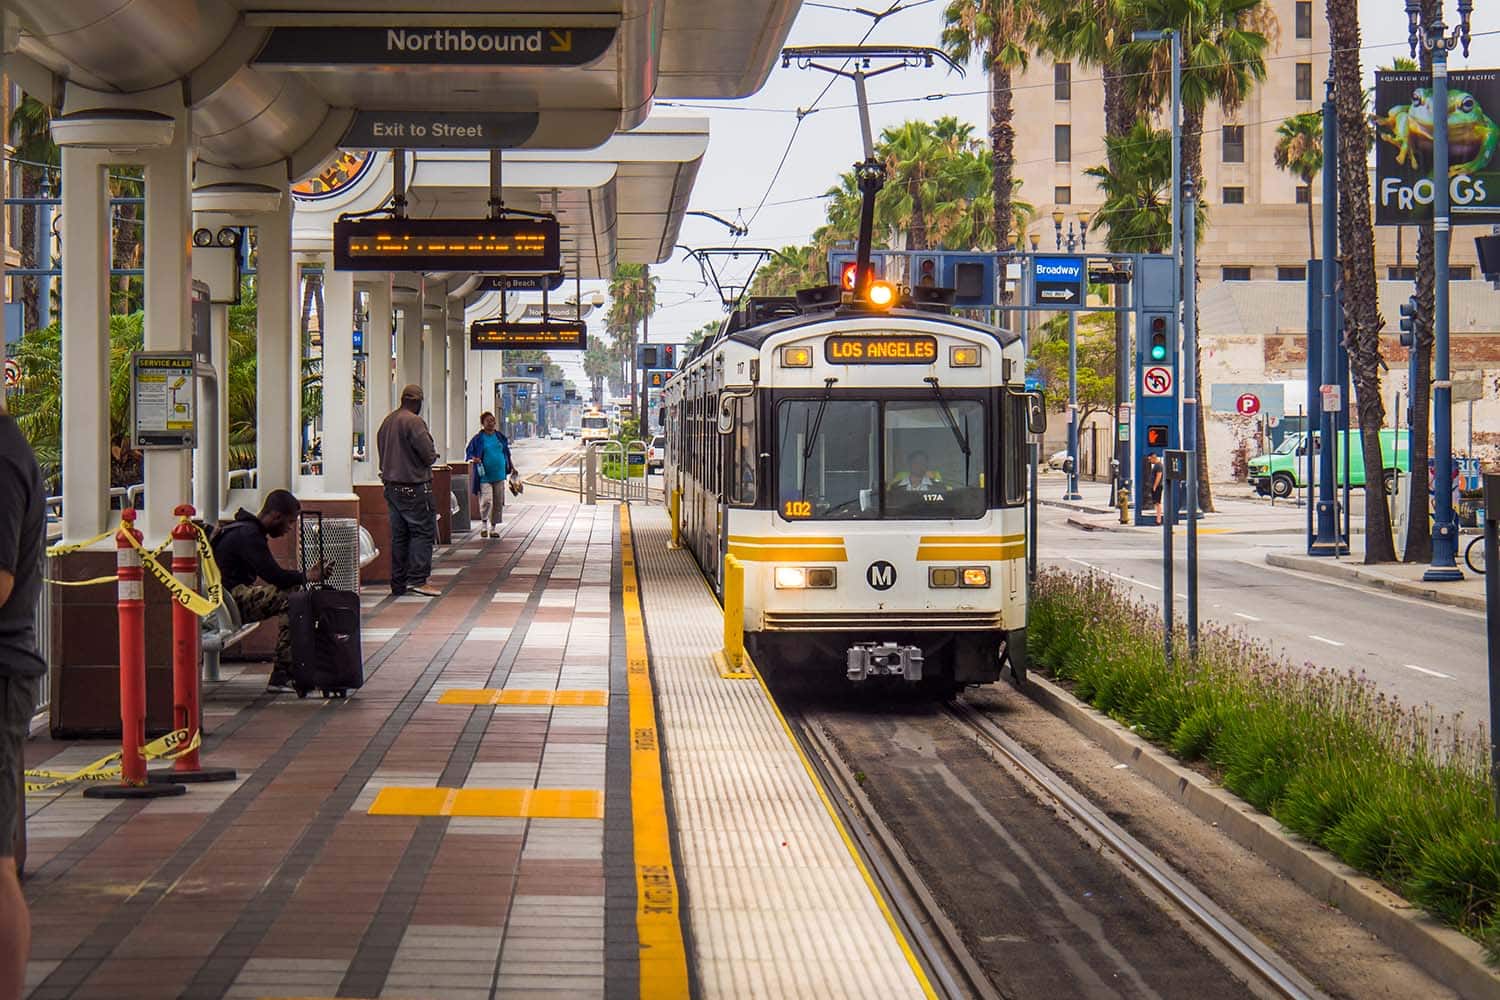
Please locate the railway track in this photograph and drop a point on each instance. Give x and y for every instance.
(928, 785)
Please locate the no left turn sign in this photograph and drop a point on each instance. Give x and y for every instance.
(1157, 381)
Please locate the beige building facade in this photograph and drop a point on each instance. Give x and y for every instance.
(1258, 215)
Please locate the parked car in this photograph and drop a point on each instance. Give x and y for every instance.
(656, 455)
(555, 434)
(573, 431)
(1058, 459)
(1281, 472)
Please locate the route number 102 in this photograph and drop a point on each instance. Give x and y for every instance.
(797, 508)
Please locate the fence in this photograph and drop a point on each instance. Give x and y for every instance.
(614, 467)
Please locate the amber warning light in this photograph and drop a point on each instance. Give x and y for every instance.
(513, 245)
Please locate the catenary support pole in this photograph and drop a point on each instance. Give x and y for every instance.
(1072, 491)
(1444, 566)
(1326, 541)
(1189, 401)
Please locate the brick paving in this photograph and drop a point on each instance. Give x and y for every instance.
(281, 884)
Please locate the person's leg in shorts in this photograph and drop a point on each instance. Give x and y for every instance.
(17, 702)
(260, 602)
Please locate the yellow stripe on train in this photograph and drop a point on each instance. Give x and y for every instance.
(788, 553)
(970, 553)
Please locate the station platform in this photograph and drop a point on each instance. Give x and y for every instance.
(545, 788)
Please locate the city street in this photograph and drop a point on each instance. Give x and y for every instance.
(1417, 650)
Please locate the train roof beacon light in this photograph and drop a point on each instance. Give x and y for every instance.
(882, 294)
(1158, 338)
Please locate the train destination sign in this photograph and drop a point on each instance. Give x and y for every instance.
(527, 245)
(521, 282)
(504, 335)
(434, 45)
(881, 349)
(440, 129)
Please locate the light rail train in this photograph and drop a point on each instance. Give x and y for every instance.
(868, 468)
(594, 426)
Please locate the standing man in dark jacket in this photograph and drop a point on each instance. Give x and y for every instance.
(22, 535)
(406, 457)
(243, 551)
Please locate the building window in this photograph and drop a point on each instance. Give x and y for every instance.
(1461, 273)
(1062, 195)
(1062, 143)
(1304, 18)
(1236, 274)
(1234, 144)
(1402, 273)
(1285, 273)
(1304, 81)
(1304, 194)
(1062, 81)
(1234, 196)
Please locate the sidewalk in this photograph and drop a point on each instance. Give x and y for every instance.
(1399, 578)
(1238, 513)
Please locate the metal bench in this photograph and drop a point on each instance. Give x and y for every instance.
(224, 629)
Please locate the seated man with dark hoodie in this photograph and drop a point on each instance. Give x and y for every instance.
(254, 578)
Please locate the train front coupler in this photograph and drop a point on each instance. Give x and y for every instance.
(883, 659)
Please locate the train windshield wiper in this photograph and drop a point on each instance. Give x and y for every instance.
(812, 435)
(961, 437)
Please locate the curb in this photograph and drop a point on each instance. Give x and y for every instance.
(1454, 960)
(1075, 522)
(1347, 571)
(1081, 507)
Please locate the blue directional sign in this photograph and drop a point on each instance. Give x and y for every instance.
(1058, 282)
(1034, 383)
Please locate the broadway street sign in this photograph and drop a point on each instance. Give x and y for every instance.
(1058, 282)
(430, 45)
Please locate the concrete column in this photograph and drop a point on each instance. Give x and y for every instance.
(459, 430)
(406, 293)
(382, 389)
(435, 363)
(338, 380)
(85, 344)
(275, 378)
(169, 320)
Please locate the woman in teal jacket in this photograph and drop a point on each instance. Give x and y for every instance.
(489, 450)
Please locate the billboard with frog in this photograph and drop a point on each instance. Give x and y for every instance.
(1403, 116)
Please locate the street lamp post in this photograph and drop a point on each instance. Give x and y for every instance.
(1436, 40)
(1073, 244)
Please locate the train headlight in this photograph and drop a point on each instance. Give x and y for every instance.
(881, 294)
(791, 578)
(822, 578)
(796, 357)
(963, 357)
(977, 576)
(942, 577)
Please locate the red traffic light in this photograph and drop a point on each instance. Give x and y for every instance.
(846, 279)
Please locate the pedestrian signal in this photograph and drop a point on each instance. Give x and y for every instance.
(1156, 436)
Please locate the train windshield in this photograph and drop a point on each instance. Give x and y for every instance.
(866, 459)
(596, 423)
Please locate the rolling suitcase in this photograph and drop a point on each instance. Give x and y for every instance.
(324, 628)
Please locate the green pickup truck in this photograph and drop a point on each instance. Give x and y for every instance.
(1281, 472)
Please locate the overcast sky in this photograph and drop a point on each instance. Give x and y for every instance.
(749, 137)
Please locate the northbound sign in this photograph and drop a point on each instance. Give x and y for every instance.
(431, 45)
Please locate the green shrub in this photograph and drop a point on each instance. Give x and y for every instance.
(1399, 793)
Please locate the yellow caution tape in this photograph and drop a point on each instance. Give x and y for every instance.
(82, 583)
(183, 594)
(201, 605)
(98, 579)
(213, 580)
(62, 550)
(169, 747)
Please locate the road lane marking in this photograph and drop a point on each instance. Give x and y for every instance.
(1430, 673)
(1248, 618)
(1331, 642)
(1117, 576)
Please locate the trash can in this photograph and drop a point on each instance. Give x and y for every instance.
(460, 489)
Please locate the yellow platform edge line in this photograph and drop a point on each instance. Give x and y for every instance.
(859, 862)
(658, 919)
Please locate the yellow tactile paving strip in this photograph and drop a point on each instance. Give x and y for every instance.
(777, 904)
(663, 954)
(516, 696)
(527, 803)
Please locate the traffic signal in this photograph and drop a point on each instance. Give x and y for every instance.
(1156, 436)
(846, 277)
(926, 273)
(648, 356)
(1158, 349)
(1409, 322)
(668, 356)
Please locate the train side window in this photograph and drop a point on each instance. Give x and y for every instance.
(1013, 450)
(742, 453)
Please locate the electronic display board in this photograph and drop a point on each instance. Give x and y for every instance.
(500, 335)
(911, 349)
(525, 245)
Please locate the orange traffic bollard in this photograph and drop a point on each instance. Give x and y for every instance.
(132, 614)
(186, 654)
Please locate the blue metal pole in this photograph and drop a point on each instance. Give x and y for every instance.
(1444, 530)
(1176, 165)
(1326, 542)
(1073, 493)
(1190, 401)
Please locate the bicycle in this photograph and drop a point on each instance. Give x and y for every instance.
(1474, 554)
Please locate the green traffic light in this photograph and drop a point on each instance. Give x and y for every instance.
(1158, 352)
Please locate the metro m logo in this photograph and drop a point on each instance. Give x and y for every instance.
(881, 575)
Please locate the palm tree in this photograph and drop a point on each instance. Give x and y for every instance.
(1362, 320)
(30, 130)
(1090, 31)
(1136, 182)
(597, 364)
(1299, 151)
(1224, 44)
(996, 30)
(632, 293)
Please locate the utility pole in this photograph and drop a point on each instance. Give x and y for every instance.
(1435, 38)
(1327, 541)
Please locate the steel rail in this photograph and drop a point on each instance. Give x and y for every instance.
(953, 971)
(1255, 954)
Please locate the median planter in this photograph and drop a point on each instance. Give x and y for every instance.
(1394, 791)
